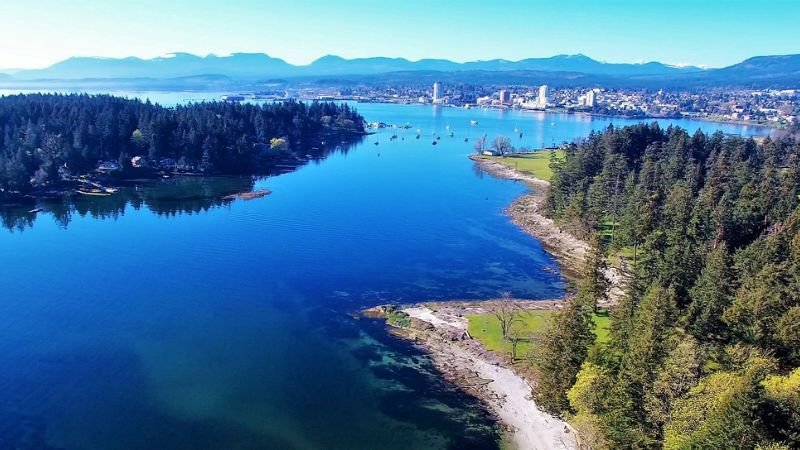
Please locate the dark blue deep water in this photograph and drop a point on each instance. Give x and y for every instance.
(139, 325)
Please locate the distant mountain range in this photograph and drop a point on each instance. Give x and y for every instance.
(335, 65)
(243, 68)
(259, 65)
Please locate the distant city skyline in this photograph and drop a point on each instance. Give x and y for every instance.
(711, 33)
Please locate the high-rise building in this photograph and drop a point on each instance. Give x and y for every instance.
(542, 99)
(590, 98)
(436, 92)
(505, 97)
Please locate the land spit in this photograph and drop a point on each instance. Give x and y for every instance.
(441, 330)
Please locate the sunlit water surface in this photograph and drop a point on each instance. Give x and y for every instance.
(191, 323)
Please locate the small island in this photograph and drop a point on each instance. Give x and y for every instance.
(54, 144)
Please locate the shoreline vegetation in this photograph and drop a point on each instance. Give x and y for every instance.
(702, 346)
(442, 328)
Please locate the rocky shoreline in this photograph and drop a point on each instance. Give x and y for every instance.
(441, 330)
(525, 212)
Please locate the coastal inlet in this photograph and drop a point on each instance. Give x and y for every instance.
(166, 317)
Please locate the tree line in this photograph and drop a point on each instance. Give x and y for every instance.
(705, 346)
(44, 137)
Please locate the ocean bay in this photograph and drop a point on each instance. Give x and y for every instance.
(230, 327)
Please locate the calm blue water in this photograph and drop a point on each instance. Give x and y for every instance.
(229, 327)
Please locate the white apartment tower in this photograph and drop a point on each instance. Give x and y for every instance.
(542, 99)
(590, 98)
(436, 93)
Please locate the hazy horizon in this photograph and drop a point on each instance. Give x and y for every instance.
(614, 31)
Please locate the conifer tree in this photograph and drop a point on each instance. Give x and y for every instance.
(711, 295)
(639, 367)
(561, 351)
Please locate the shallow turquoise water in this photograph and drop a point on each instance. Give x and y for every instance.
(142, 326)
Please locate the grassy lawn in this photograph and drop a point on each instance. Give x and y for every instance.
(602, 326)
(536, 163)
(486, 329)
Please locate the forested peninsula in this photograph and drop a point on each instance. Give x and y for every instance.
(704, 349)
(50, 142)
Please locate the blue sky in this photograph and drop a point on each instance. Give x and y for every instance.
(713, 33)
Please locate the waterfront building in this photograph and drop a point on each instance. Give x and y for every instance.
(484, 101)
(590, 98)
(437, 93)
(542, 99)
(505, 97)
